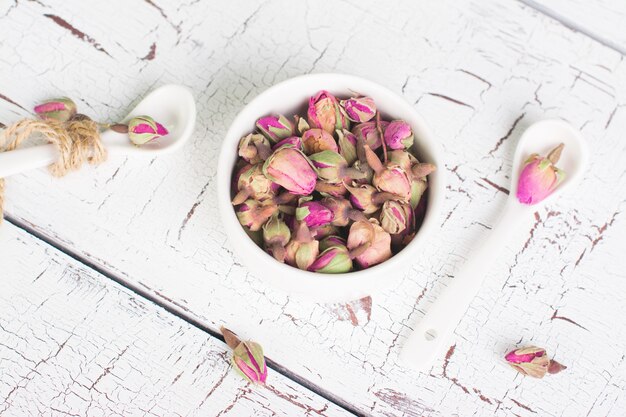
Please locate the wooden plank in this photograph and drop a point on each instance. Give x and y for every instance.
(74, 343)
(601, 19)
(479, 72)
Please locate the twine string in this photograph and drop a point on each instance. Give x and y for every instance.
(77, 140)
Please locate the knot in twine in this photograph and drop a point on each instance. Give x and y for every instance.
(77, 140)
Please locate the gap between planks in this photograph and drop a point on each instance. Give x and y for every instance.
(173, 309)
(570, 24)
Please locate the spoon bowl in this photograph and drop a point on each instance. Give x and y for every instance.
(171, 105)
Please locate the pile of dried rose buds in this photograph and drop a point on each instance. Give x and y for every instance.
(331, 192)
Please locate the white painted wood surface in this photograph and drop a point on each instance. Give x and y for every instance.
(73, 342)
(478, 71)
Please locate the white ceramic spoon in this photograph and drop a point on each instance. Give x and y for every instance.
(432, 334)
(171, 105)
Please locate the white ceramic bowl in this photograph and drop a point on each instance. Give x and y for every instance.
(291, 97)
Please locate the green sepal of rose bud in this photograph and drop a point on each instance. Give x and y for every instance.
(254, 148)
(333, 260)
(59, 109)
(418, 187)
(533, 361)
(275, 128)
(144, 129)
(347, 145)
(317, 140)
(248, 359)
(276, 235)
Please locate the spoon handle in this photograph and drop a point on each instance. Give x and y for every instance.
(24, 159)
(433, 332)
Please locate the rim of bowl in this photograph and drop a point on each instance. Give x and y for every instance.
(225, 169)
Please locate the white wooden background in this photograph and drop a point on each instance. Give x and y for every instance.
(74, 341)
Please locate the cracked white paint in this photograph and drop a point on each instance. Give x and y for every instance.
(478, 71)
(74, 343)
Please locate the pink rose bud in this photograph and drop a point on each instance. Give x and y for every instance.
(418, 187)
(313, 213)
(254, 214)
(398, 135)
(275, 128)
(329, 189)
(347, 146)
(324, 113)
(317, 140)
(60, 109)
(368, 133)
(532, 361)
(296, 141)
(333, 260)
(254, 148)
(291, 169)
(394, 180)
(369, 243)
(331, 240)
(332, 167)
(143, 129)
(248, 358)
(359, 109)
(395, 216)
(276, 235)
(539, 177)
(251, 182)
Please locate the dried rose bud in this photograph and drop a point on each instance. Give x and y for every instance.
(369, 243)
(329, 189)
(332, 167)
(359, 109)
(275, 128)
(251, 182)
(398, 135)
(302, 249)
(313, 213)
(366, 170)
(254, 214)
(395, 216)
(276, 235)
(60, 109)
(248, 358)
(367, 198)
(331, 240)
(340, 209)
(418, 187)
(291, 169)
(394, 180)
(254, 148)
(333, 260)
(368, 133)
(295, 141)
(324, 113)
(317, 140)
(532, 361)
(539, 177)
(347, 145)
(143, 129)
(402, 158)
